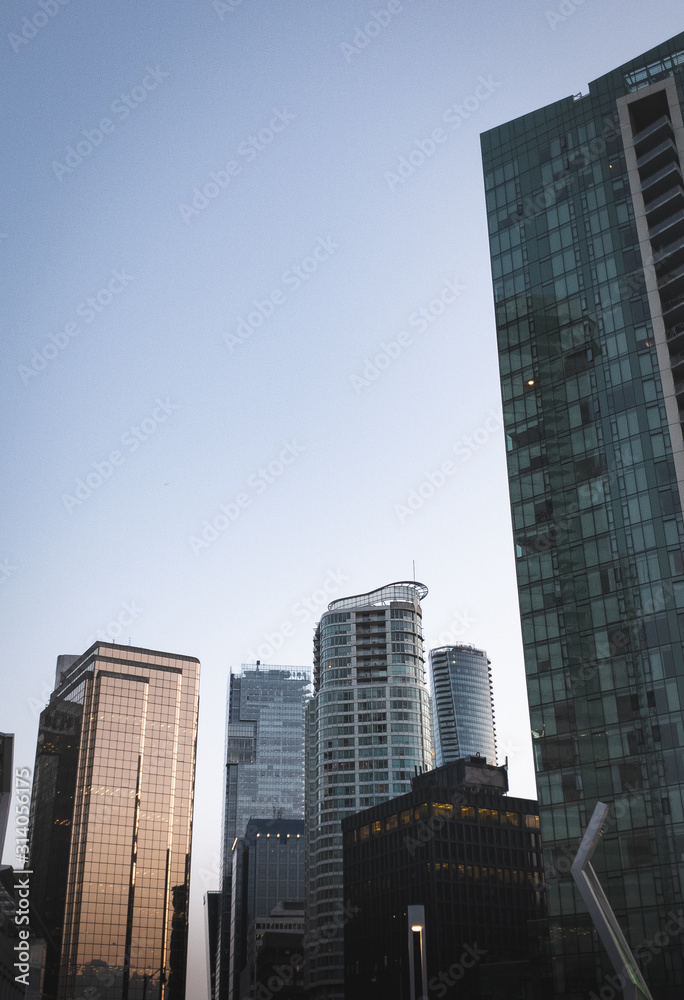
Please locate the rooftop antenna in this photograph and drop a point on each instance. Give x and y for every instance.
(414, 570)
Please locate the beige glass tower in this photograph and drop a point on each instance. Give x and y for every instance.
(112, 821)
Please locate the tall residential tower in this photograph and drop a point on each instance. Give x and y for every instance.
(368, 731)
(462, 703)
(586, 219)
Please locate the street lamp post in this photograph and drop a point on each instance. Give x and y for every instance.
(416, 947)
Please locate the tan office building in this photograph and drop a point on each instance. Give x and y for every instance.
(111, 823)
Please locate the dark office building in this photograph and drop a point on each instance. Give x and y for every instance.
(471, 856)
(52, 809)
(586, 219)
(211, 909)
(6, 757)
(276, 949)
(268, 869)
(111, 821)
(10, 987)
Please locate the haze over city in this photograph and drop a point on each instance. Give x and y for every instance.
(250, 353)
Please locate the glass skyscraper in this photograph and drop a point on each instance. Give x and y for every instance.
(264, 777)
(462, 704)
(111, 823)
(368, 730)
(585, 200)
(268, 868)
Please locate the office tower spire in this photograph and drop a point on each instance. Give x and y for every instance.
(586, 219)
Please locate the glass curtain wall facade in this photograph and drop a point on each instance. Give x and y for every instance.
(264, 777)
(268, 868)
(586, 219)
(6, 781)
(462, 703)
(368, 730)
(111, 823)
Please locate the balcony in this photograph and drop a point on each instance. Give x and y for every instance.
(674, 311)
(656, 184)
(668, 228)
(665, 204)
(670, 252)
(674, 332)
(657, 158)
(671, 280)
(676, 363)
(657, 130)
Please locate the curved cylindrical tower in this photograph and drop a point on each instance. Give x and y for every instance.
(462, 703)
(368, 730)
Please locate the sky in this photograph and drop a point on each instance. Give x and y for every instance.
(248, 333)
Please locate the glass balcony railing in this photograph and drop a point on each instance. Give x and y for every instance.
(671, 221)
(672, 305)
(673, 194)
(662, 124)
(669, 250)
(653, 183)
(671, 278)
(663, 151)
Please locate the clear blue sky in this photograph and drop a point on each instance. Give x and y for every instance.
(155, 398)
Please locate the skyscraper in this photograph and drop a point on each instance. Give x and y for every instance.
(268, 868)
(368, 730)
(586, 219)
(462, 703)
(264, 770)
(111, 822)
(6, 775)
(470, 856)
